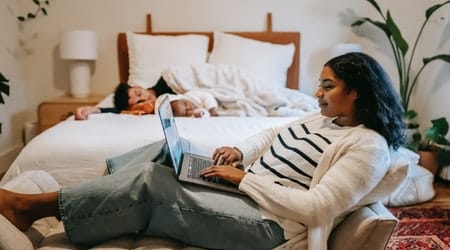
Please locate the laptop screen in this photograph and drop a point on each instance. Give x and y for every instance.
(170, 132)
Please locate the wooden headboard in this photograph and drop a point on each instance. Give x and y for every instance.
(268, 36)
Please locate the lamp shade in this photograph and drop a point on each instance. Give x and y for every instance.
(343, 48)
(78, 45)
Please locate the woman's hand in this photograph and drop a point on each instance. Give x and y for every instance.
(226, 172)
(227, 156)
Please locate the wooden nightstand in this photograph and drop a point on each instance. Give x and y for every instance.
(58, 109)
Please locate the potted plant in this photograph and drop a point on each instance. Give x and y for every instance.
(434, 141)
(434, 148)
(407, 79)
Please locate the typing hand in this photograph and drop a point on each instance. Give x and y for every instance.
(227, 156)
(230, 174)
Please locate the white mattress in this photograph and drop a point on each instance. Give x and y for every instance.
(73, 151)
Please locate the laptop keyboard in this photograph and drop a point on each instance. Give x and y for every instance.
(196, 165)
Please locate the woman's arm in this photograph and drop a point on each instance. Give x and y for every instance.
(358, 169)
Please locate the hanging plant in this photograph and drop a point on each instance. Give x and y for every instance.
(41, 8)
(4, 89)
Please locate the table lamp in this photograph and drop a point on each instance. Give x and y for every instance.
(79, 47)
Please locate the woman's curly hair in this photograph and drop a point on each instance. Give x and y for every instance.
(378, 105)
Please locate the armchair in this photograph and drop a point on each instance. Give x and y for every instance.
(369, 227)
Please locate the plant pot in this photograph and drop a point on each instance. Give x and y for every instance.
(429, 160)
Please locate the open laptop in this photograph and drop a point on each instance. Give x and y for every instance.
(187, 166)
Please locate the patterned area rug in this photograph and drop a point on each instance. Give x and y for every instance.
(421, 228)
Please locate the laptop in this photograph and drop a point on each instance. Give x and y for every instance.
(187, 166)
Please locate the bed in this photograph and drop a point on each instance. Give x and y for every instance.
(75, 151)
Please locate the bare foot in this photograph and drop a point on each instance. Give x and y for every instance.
(14, 209)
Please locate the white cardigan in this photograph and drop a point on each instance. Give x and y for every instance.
(347, 171)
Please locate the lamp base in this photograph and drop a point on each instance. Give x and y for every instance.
(80, 79)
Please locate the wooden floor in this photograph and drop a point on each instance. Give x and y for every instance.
(442, 197)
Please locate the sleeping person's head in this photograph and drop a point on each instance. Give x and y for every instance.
(125, 96)
(182, 106)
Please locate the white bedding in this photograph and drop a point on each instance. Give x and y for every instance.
(73, 151)
(238, 92)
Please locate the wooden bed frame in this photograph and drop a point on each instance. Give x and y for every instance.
(268, 36)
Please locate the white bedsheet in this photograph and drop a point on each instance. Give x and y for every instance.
(74, 151)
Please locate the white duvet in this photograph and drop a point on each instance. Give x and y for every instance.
(238, 92)
(74, 151)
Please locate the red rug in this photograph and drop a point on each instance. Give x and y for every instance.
(421, 228)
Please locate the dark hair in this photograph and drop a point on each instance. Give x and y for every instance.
(378, 104)
(121, 96)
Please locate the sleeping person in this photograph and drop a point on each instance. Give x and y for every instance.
(193, 103)
(125, 97)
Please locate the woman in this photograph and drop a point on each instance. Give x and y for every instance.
(304, 179)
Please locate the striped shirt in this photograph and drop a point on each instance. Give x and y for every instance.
(295, 152)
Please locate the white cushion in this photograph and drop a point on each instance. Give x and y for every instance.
(149, 55)
(399, 169)
(417, 188)
(11, 237)
(417, 185)
(267, 61)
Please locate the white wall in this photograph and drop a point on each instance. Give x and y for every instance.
(322, 23)
(14, 112)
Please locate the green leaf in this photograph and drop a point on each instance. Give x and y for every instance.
(436, 133)
(444, 157)
(358, 22)
(375, 5)
(0, 127)
(432, 134)
(433, 8)
(414, 146)
(443, 57)
(410, 114)
(44, 11)
(400, 42)
(21, 18)
(47, 2)
(36, 2)
(31, 15)
(378, 24)
(417, 137)
(3, 78)
(4, 88)
(441, 125)
(413, 125)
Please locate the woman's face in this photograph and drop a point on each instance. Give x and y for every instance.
(139, 94)
(334, 99)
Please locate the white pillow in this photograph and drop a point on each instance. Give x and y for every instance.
(394, 178)
(267, 61)
(150, 54)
